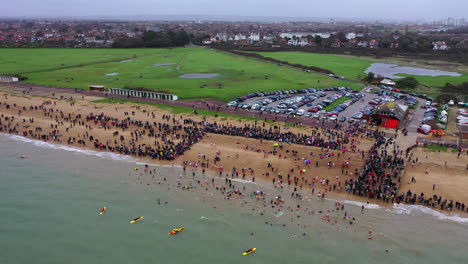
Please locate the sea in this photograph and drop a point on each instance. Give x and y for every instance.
(51, 195)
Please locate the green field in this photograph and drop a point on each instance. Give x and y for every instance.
(350, 68)
(335, 103)
(353, 68)
(79, 68)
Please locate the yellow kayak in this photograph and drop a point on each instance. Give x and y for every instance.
(176, 230)
(249, 251)
(136, 219)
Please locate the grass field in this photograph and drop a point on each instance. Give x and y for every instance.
(353, 67)
(335, 103)
(79, 68)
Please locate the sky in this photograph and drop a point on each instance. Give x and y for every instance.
(372, 9)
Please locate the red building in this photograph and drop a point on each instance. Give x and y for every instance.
(390, 115)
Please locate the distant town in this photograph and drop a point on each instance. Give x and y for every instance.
(442, 35)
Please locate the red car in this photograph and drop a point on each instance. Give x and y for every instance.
(420, 130)
(313, 110)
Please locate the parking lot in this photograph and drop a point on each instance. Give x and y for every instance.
(336, 104)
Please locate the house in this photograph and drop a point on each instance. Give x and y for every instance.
(390, 115)
(394, 44)
(223, 37)
(304, 42)
(363, 44)
(350, 36)
(373, 44)
(336, 43)
(254, 37)
(293, 42)
(439, 45)
(352, 43)
(90, 39)
(239, 37)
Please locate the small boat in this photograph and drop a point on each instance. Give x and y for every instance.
(176, 230)
(136, 219)
(248, 251)
(103, 210)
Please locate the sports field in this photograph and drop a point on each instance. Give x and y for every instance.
(353, 67)
(79, 68)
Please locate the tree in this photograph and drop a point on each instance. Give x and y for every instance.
(370, 77)
(341, 36)
(181, 38)
(318, 40)
(407, 82)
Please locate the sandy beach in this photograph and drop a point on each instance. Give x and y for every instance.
(317, 170)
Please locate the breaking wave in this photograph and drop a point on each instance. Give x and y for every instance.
(403, 209)
(88, 152)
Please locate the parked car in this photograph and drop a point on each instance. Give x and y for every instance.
(424, 129)
(232, 103)
(357, 115)
(342, 119)
(428, 118)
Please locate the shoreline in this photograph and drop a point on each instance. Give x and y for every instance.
(235, 151)
(399, 209)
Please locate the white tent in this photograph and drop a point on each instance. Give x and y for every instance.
(387, 82)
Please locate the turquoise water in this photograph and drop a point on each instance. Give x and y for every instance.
(49, 203)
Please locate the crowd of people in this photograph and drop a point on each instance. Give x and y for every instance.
(172, 137)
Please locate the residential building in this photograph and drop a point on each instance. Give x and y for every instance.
(439, 45)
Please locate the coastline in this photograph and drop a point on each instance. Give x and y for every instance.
(356, 201)
(233, 146)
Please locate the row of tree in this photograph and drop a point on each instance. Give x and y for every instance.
(153, 39)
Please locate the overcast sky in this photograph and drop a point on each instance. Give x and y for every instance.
(399, 9)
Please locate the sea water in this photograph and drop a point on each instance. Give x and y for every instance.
(50, 197)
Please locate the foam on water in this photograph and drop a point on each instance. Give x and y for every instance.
(366, 205)
(242, 181)
(158, 165)
(403, 209)
(105, 155)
